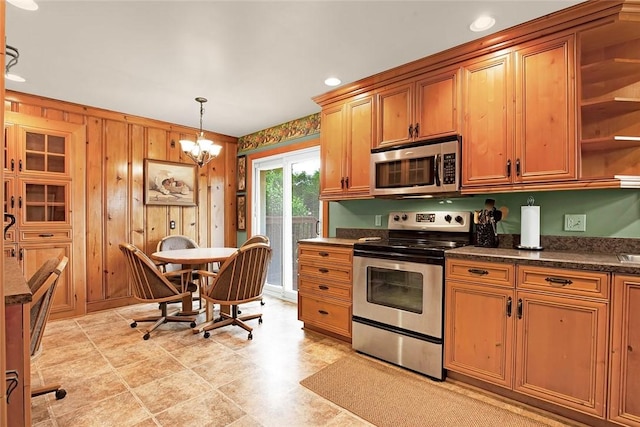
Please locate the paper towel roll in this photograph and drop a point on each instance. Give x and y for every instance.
(530, 226)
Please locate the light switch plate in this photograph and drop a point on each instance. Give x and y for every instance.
(575, 222)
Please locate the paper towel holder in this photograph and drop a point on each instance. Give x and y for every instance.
(530, 202)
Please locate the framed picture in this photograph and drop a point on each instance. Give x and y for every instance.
(242, 173)
(241, 208)
(169, 183)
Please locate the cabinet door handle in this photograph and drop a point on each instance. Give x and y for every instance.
(13, 165)
(509, 302)
(323, 270)
(323, 254)
(20, 202)
(324, 313)
(558, 281)
(478, 271)
(517, 167)
(411, 130)
(46, 235)
(519, 308)
(342, 182)
(13, 253)
(20, 165)
(508, 168)
(416, 130)
(323, 287)
(13, 201)
(346, 182)
(21, 254)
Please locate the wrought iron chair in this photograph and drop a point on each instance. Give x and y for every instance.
(43, 287)
(151, 285)
(240, 279)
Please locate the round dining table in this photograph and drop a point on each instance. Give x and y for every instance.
(194, 259)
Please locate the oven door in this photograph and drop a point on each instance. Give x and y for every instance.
(399, 293)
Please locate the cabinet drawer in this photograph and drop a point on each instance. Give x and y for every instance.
(324, 288)
(325, 254)
(493, 273)
(334, 316)
(326, 272)
(31, 235)
(558, 280)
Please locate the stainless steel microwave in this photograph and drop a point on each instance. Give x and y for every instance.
(419, 169)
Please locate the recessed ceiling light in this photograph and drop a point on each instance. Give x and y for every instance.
(482, 23)
(24, 4)
(14, 78)
(332, 81)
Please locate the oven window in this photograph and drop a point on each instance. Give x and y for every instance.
(395, 288)
(405, 173)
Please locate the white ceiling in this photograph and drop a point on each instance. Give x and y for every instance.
(259, 63)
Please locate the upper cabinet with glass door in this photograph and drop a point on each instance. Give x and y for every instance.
(38, 151)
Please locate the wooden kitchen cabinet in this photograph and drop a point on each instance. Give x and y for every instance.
(325, 288)
(544, 335)
(345, 148)
(420, 108)
(43, 158)
(529, 140)
(624, 388)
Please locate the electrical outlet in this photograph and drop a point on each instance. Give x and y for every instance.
(378, 220)
(575, 222)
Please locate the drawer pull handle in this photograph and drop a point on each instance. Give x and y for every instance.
(478, 271)
(323, 253)
(558, 281)
(323, 312)
(46, 235)
(323, 270)
(323, 287)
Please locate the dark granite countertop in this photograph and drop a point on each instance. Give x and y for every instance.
(607, 262)
(330, 241)
(16, 290)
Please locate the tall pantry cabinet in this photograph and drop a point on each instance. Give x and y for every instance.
(44, 190)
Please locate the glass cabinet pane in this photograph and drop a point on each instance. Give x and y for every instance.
(45, 153)
(45, 202)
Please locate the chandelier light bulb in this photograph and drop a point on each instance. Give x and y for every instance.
(203, 150)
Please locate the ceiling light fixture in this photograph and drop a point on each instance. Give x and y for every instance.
(482, 23)
(24, 4)
(332, 81)
(203, 150)
(12, 56)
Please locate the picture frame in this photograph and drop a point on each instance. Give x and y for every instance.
(242, 173)
(241, 209)
(170, 183)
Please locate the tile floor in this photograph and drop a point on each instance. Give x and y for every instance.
(115, 378)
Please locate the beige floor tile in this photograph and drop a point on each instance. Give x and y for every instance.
(145, 371)
(169, 391)
(209, 411)
(122, 410)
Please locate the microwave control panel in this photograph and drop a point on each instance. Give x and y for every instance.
(449, 168)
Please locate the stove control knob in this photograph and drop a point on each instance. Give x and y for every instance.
(459, 219)
(447, 218)
(396, 217)
(404, 217)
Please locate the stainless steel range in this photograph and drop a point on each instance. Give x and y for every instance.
(398, 289)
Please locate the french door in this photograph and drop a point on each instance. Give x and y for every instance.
(286, 209)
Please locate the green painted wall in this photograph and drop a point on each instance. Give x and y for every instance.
(610, 213)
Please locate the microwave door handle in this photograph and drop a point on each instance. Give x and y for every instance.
(436, 169)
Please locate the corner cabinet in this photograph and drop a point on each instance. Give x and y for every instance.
(44, 190)
(544, 334)
(624, 397)
(324, 288)
(345, 148)
(531, 139)
(419, 108)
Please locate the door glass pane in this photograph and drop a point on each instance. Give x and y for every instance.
(272, 185)
(305, 205)
(56, 144)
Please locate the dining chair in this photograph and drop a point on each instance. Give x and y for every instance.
(241, 279)
(258, 238)
(151, 285)
(172, 242)
(43, 287)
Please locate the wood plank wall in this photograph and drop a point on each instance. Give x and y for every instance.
(117, 145)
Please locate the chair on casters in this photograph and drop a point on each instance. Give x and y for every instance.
(43, 286)
(176, 241)
(258, 238)
(151, 285)
(240, 280)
